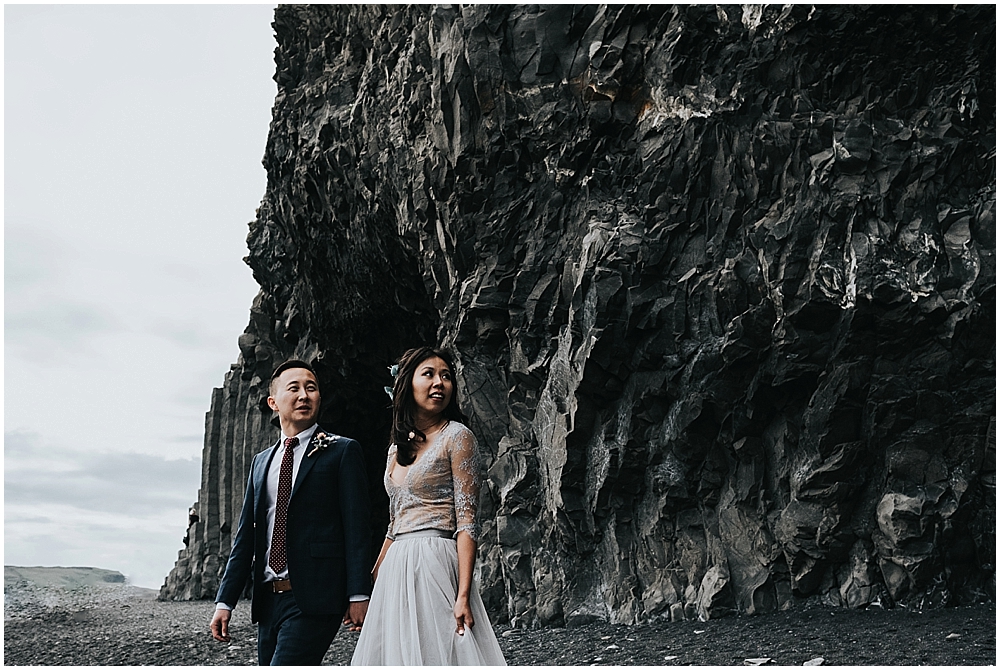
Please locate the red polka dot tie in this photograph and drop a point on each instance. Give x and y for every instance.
(278, 560)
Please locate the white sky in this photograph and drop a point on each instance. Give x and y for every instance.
(133, 138)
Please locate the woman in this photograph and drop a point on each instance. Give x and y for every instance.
(425, 609)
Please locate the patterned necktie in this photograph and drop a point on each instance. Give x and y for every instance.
(278, 561)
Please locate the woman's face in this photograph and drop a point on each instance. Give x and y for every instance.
(432, 386)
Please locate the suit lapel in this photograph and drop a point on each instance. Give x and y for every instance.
(260, 475)
(305, 466)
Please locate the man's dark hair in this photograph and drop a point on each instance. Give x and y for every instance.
(288, 365)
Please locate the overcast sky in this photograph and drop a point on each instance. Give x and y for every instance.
(133, 137)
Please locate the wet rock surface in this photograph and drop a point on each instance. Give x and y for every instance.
(128, 626)
(720, 282)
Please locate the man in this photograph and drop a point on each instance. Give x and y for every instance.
(303, 532)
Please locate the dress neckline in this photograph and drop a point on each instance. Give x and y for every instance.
(419, 457)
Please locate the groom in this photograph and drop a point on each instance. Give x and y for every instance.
(303, 532)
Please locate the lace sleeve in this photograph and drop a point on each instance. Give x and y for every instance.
(390, 533)
(466, 480)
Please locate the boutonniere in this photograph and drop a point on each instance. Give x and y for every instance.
(320, 442)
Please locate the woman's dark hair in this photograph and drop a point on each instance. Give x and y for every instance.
(404, 406)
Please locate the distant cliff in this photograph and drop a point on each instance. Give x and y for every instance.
(720, 281)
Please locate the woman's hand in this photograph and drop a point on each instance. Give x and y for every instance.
(466, 561)
(463, 615)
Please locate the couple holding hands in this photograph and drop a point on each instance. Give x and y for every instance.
(303, 532)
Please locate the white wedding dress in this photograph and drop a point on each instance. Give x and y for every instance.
(410, 618)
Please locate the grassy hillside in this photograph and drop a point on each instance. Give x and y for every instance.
(67, 578)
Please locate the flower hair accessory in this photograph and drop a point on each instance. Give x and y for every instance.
(393, 370)
(320, 442)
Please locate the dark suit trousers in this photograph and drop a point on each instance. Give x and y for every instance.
(286, 636)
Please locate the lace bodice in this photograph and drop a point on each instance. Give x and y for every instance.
(440, 489)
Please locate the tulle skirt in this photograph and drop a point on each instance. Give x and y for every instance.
(410, 618)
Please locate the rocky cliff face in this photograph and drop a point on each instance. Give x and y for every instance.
(720, 282)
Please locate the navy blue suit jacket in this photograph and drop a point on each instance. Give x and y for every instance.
(327, 532)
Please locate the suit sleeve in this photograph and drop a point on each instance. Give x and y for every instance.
(241, 557)
(354, 507)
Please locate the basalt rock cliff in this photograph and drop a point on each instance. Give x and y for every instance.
(720, 282)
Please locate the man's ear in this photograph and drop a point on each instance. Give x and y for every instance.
(272, 404)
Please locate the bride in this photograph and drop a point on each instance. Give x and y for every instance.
(425, 609)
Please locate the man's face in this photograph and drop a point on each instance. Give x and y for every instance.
(295, 397)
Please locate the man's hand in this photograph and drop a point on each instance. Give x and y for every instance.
(220, 625)
(355, 615)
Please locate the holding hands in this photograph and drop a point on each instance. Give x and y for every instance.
(355, 615)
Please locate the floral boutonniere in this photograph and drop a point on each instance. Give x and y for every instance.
(320, 442)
